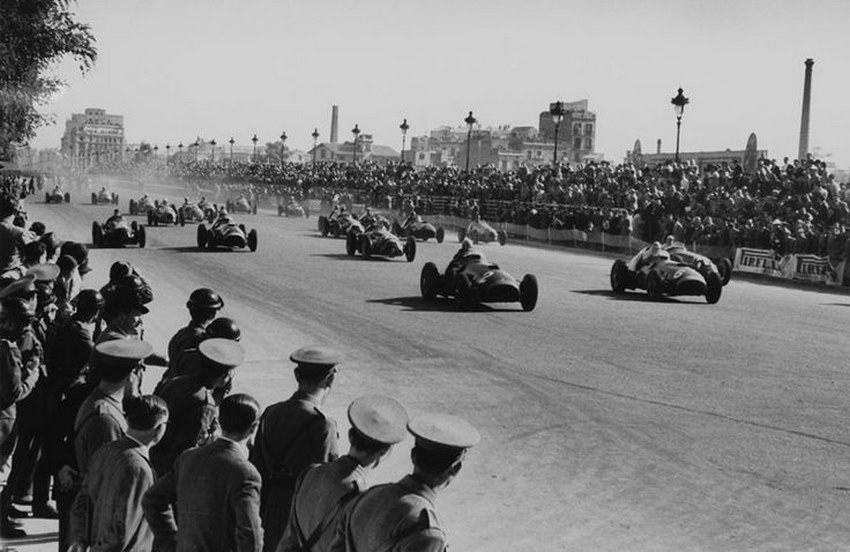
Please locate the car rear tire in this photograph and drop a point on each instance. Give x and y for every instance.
(410, 249)
(351, 244)
(96, 234)
(502, 236)
(528, 292)
(252, 240)
(619, 277)
(254, 209)
(181, 218)
(47, 198)
(323, 226)
(132, 208)
(67, 197)
(429, 281)
(461, 234)
(365, 246)
(141, 236)
(94, 198)
(202, 236)
(724, 267)
(713, 289)
(653, 285)
(441, 234)
(280, 210)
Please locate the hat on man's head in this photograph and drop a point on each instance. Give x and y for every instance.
(221, 351)
(17, 308)
(22, 287)
(66, 263)
(120, 269)
(378, 418)
(51, 242)
(124, 351)
(443, 433)
(44, 272)
(130, 293)
(80, 253)
(316, 358)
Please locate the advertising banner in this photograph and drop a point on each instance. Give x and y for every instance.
(757, 261)
(813, 269)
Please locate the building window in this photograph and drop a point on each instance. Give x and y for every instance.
(539, 153)
(577, 143)
(577, 129)
(588, 144)
(588, 129)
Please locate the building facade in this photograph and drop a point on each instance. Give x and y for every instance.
(576, 133)
(92, 137)
(367, 150)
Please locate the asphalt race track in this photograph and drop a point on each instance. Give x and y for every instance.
(608, 423)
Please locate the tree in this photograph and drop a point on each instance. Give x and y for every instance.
(34, 34)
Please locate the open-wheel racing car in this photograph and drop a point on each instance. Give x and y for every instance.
(194, 212)
(57, 196)
(163, 213)
(471, 279)
(104, 197)
(292, 208)
(661, 273)
(241, 205)
(140, 206)
(339, 225)
(701, 263)
(480, 231)
(226, 233)
(377, 240)
(117, 232)
(419, 229)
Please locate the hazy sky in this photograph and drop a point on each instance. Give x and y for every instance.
(177, 69)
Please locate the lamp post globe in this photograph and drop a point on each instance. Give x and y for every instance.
(356, 132)
(404, 127)
(679, 102)
(470, 121)
(557, 112)
(315, 136)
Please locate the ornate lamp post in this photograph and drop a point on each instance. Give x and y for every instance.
(356, 132)
(254, 156)
(315, 136)
(679, 103)
(403, 126)
(283, 138)
(212, 143)
(167, 152)
(557, 113)
(196, 145)
(231, 142)
(155, 150)
(180, 151)
(470, 120)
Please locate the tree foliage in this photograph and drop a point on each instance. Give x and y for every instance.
(35, 34)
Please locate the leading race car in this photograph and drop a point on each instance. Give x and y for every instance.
(419, 229)
(104, 197)
(700, 263)
(471, 279)
(117, 232)
(141, 206)
(480, 231)
(241, 205)
(292, 208)
(57, 196)
(339, 225)
(660, 273)
(163, 213)
(377, 240)
(226, 233)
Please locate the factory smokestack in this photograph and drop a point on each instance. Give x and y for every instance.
(804, 120)
(334, 124)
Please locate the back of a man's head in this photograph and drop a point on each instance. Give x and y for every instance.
(238, 412)
(145, 413)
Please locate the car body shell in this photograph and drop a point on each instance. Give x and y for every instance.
(118, 233)
(340, 225)
(292, 209)
(666, 274)
(104, 197)
(162, 214)
(480, 231)
(140, 206)
(419, 229)
(57, 196)
(241, 205)
(192, 212)
(378, 240)
(226, 234)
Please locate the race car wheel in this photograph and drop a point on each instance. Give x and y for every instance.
(713, 289)
(724, 266)
(461, 233)
(528, 292)
(429, 281)
(463, 292)
(96, 234)
(141, 236)
(365, 246)
(323, 226)
(410, 249)
(67, 197)
(47, 198)
(474, 237)
(653, 285)
(502, 237)
(252, 240)
(202, 236)
(181, 218)
(134, 225)
(351, 244)
(619, 277)
(150, 217)
(441, 234)
(337, 231)
(254, 209)
(280, 210)
(94, 198)
(132, 209)
(115, 199)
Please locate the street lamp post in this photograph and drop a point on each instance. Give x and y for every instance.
(283, 138)
(679, 103)
(155, 150)
(557, 112)
(403, 126)
(470, 120)
(231, 142)
(180, 150)
(212, 143)
(167, 152)
(315, 142)
(254, 156)
(356, 132)
(196, 145)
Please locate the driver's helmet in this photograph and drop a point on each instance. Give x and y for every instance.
(670, 241)
(186, 201)
(655, 249)
(466, 245)
(115, 213)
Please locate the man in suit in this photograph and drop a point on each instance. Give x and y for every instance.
(401, 516)
(323, 490)
(107, 513)
(213, 491)
(294, 434)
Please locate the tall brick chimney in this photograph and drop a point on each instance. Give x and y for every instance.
(804, 120)
(334, 124)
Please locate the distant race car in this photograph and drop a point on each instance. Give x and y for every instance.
(379, 241)
(701, 263)
(419, 229)
(480, 231)
(473, 280)
(241, 205)
(140, 206)
(665, 274)
(292, 209)
(194, 212)
(57, 196)
(339, 225)
(226, 233)
(104, 197)
(117, 232)
(163, 213)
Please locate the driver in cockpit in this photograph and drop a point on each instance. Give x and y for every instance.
(654, 253)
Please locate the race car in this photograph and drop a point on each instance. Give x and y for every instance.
(104, 197)
(141, 206)
(378, 240)
(117, 232)
(194, 212)
(339, 225)
(480, 231)
(226, 233)
(57, 196)
(701, 263)
(660, 273)
(419, 229)
(163, 213)
(292, 209)
(472, 279)
(241, 205)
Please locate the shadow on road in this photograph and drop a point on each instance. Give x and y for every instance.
(358, 257)
(836, 304)
(416, 303)
(635, 296)
(194, 249)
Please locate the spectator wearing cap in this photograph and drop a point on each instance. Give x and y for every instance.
(80, 253)
(129, 304)
(323, 490)
(401, 516)
(294, 434)
(52, 246)
(119, 271)
(35, 252)
(100, 419)
(210, 499)
(203, 306)
(107, 513)
(13, 239)
(17, 377)
(194, 414)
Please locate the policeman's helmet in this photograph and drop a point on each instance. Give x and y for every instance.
(205, 298)
(225, 328)
(119, 269)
